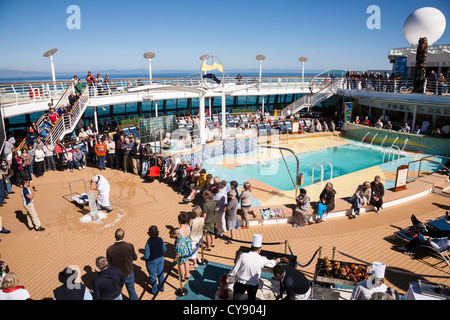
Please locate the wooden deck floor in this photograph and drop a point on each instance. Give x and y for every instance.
(37, 257)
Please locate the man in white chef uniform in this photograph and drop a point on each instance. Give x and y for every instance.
(247, 270)
(100, 184)
(365, 289)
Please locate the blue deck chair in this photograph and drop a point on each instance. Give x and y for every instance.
(126, 131)
(282, 126)
(288, 126)
(134, 131)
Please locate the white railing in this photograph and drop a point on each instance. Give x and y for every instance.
(312, 100)
(394, 86)
(16, 93)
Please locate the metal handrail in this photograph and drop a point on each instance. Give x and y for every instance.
(331, 168)
(321, 173)
(426, 159)
(296, 158)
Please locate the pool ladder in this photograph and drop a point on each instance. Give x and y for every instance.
(392, 151)
(321, 172)
(332, 139)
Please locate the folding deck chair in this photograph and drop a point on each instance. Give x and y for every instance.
(425, 251)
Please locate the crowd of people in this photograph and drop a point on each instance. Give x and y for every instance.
(367, 193)
(423, 129)
(393, 82)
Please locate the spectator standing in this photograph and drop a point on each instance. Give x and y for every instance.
(154, 259)
(220, 198)
(111, 147)
(126, 148)
(246, 203)
(119, 152)
(71, 288)
(39, 157)
(136, 156)
(91, 150)
(121, 255)
(109, 281)
(100, 152)
(231, 210)
(196, 223)
(182, 244)
(49, 156)
(28, 203)
(208, 211)
(59, 150)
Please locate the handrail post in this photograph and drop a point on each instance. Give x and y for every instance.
(180, 291)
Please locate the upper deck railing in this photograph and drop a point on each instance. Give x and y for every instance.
(32, 92)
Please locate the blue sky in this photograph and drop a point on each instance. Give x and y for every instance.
(115, 34)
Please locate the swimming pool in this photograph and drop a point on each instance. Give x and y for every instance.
(268, 167)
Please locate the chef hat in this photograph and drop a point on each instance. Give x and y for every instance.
(378, 269)
(95, 178)
(257, 241)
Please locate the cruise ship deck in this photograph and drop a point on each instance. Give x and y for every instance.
(38, 257)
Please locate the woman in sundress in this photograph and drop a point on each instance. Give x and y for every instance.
(183, 243)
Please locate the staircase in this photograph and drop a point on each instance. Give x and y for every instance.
(67, 123)
(309, 101)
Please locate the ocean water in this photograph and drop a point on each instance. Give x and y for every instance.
(144, 76)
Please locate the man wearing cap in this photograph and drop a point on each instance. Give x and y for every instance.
(247, 270)
(71, 288)
(364, 289)
(100, 184)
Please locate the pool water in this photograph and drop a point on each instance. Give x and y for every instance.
(344, 159)
(269, 167)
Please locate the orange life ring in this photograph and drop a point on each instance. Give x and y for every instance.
(301, 128)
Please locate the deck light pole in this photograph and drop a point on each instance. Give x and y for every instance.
(49, 54)
(303, 60)
(260, 58)
(149, 56)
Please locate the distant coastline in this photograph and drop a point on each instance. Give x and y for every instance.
(13, 76)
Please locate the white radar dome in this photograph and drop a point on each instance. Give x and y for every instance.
(424, 22)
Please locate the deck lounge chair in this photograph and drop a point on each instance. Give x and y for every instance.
(134, 131)
(288, 126)
(423, 251)
(283, 128)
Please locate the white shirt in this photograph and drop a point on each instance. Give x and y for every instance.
(103, 191)
(362, 291)
(39, 155)
(17, 293)
(248, 267)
